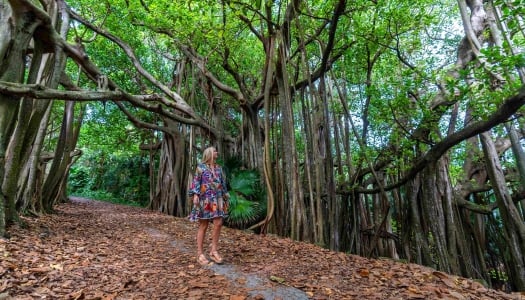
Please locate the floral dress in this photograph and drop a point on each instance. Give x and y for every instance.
(210, 186)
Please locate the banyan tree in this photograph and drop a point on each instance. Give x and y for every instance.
(379, 128)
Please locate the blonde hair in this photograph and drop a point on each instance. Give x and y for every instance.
(207, 155)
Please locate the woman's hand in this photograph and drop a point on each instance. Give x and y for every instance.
(195, 200)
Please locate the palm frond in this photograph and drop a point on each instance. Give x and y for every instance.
(242, 211)
(247, 200)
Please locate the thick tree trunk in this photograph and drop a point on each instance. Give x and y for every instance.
(294, 190)
(172, 179)
(52, 191)
(325, 136)
(518, 152)
(434, 199)
(319, 176)
(14, 159)
(416, 231)
(15, 39)
(35, 168)
(446, 194)
(309, 174)
(269, 182)
(513, 224)
(250, 140)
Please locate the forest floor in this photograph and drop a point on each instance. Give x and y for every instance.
(96, 250)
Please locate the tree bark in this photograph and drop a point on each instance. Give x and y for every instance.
(513, 224)
(172, 179)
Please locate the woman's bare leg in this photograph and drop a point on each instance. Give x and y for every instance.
(214, 255)
(201, 232)
(217, 225)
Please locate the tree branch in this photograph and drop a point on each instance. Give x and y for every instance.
(505, 111)
(180, 104)
(38, 91)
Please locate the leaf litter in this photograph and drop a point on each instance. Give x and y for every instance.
(89, 249)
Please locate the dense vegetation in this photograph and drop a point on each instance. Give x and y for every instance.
(380, 128)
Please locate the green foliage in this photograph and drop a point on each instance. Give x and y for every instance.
(247, 197)
(116, 170)
(498, 275)
(114, 178)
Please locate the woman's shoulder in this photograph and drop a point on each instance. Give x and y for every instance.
(201, 167)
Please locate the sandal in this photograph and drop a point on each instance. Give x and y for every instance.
(202, 260)
(214, 255)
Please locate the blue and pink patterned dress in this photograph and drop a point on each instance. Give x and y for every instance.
(210, 186)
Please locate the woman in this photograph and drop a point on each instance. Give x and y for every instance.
(210, 202)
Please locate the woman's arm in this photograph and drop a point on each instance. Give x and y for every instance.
(195, 186)
(224, 185)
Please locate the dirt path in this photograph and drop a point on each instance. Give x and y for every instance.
(96, 250)
(256, 286)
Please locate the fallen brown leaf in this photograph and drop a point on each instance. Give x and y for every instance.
(95, 250)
